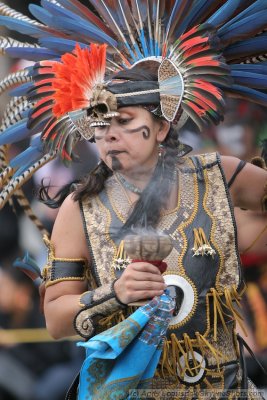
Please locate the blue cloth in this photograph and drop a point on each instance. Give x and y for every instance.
(125, 357)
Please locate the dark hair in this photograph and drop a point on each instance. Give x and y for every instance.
(91, 184)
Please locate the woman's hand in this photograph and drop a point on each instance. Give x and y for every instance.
(139, 281)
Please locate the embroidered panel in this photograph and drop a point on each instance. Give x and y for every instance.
(223, 230)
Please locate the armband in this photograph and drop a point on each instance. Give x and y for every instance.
(62, 269)
(96, 304)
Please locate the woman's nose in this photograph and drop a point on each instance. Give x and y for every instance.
(111, 134)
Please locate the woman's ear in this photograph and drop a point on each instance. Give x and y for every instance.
(164, 127)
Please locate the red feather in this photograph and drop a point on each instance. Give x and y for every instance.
(37, 114)
(65, 155)
(189, 33)
(207, 61)
(193, 42)
(42, 101)
(209, 87)
(199, 111)
(76, 76)
(46, 81)
(48, 128)
(196, 50)
(204, 101)
(46, 63)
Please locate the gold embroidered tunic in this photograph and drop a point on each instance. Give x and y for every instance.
(201, 355)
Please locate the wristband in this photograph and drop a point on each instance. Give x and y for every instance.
(96, 304)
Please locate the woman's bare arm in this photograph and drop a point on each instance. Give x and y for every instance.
(61, 302)
(249, 187)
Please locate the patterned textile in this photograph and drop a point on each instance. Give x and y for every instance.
(125, 357)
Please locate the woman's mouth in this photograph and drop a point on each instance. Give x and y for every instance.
(114, 152)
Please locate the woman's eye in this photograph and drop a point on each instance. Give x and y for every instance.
(124, 121)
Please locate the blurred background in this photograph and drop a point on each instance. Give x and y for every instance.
(32, 365)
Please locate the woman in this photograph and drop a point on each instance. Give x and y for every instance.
(177, 59)
(141, 182)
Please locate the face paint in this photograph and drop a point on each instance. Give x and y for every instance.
(130, 142)
(144, 129)
(115, 164)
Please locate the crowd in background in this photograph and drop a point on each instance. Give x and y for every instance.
(32, 369)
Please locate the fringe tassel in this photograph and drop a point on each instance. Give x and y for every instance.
(205, 345)
(223, 302)
(91, 279)
(174, 349)
(202, 246)
(121, 260)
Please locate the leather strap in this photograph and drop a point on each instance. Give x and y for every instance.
(59, 270)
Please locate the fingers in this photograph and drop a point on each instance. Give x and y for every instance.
(146, 276)
(138, 282)
(144, 267)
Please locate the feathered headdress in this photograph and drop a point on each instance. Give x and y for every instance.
(202, 51)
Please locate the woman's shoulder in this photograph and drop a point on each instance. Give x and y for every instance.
(68, 233)
(196, 162)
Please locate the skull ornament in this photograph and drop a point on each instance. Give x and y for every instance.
(103, 106)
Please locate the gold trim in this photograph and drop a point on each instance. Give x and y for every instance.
(71, 278)
(181, 268)
(214, 224)
(109, 239)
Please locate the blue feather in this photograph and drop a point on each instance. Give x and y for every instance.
(23, 27)
(224, 13)
(247, 48)
(250, 79)
(248, 94)
(65, 19)
(63, 45)
(259, 5)
(51, 12)
(29, 156)
(241, 29)
(14, 133)
(17, 132)
(28, 264)
(83, 29)
(24, 168)
(32, 54)
(194, 8)
(41, 14)
(175, 10)
(57, 10)
(21, 90)
(260, 68)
